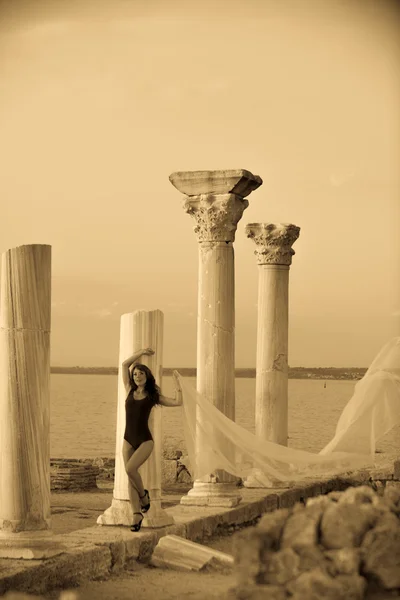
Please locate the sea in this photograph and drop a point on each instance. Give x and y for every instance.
(84, 411)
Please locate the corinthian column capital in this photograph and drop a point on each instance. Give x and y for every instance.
(216, 200)
(274, 242)
(216, 215)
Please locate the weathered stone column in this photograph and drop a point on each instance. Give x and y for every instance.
(216, 200)
(25, 318)
(141, 329)
(274, 255)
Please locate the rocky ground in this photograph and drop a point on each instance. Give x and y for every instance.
(381, 564)
(149, 583)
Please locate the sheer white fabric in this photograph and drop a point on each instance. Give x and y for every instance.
(222, 444)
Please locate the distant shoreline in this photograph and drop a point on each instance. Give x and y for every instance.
(346, 373)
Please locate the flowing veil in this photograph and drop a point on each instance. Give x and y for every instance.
(214, 442)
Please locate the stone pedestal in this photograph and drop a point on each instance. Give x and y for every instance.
(141, 329)
(25, 317)
(216, 200)
(274, 256)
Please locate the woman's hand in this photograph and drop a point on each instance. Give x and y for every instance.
(148, 351)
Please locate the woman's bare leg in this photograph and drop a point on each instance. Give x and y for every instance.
(134, 499)
(135, 461)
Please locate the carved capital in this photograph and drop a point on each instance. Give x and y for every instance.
(216, 215)
(274, 242)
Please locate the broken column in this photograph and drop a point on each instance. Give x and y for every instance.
(216, 200)
(25, 318)
(141, 329)
(274, 256)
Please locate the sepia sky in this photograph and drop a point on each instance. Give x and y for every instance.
(101, 101)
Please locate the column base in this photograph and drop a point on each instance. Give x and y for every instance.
(29, 545)
(258, 479)
(120, 513)
(212, 494)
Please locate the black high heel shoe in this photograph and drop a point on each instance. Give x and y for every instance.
(145, 507)
(137, 526)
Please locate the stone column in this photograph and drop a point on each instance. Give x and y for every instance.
(25, 317)
(216, 200)
(274, 255)
(141, 329)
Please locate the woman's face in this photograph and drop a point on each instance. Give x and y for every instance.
(139, 377)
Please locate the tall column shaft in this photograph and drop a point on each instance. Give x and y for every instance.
(216, 326)
(271, 407)
(24, 389)
(216, 334)
(216, 200)
(141, 329)
(274, 255)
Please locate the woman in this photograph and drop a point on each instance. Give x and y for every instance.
(142, 394)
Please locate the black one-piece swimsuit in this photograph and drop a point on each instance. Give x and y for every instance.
(137, 420)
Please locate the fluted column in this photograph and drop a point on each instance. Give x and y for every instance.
(216, 200)
(25, 318)
(141, 329)
(274, 255)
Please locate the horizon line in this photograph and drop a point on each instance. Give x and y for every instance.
(195, 368)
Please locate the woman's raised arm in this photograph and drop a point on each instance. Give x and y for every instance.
(129, 361)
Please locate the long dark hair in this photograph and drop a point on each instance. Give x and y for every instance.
(152, 389)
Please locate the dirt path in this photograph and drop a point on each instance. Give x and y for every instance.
(150, 583)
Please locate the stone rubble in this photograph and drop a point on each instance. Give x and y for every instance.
(72, 475)
(343, 546)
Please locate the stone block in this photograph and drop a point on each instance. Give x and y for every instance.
(288, 498)
(381, 474)
(315, 490)
(252, 511)
(396, 470)
(210, 524)
(359, 495)
(71, 568)
(393, 484)
(278, 568)
(354, 586)
(301, 527)
(334, 496)
(310, 557)
(322, 501)
(72, 475)
(344, 525)
(381, 548)
(329, 485)
(270, 503)
(315, 585)
(174, 552)
(118, 556)
(343, 561)
(234, 516)
(194, 530)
